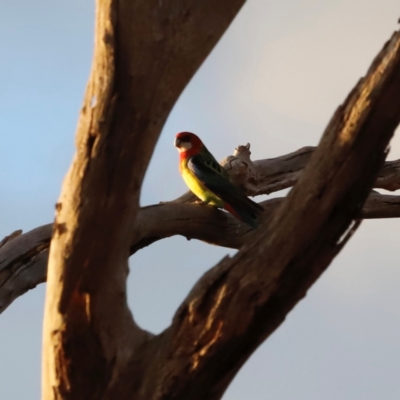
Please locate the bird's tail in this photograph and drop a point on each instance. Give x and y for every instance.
(247, 211)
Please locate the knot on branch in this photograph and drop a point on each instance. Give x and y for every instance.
(239, 165)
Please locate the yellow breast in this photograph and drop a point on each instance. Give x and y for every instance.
(198, 188)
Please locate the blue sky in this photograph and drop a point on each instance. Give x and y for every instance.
(274, 80)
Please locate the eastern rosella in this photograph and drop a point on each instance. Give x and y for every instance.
(210, 182)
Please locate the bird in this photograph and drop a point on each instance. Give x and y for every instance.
(209, 181)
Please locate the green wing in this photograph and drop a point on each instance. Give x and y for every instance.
(210, 173)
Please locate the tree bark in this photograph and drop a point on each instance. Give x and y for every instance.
(145, 53)
(23, 261)
(242, 300)
(237, 304)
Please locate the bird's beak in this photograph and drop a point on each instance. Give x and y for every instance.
(177, 143)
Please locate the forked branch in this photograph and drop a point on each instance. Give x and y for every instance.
(92, 347)
(241, 301)
(23, 262)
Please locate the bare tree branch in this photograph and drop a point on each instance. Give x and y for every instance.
(389, 176)
(23, 262)
(241, 301)
(271, 175)
(146, 51)
(381, 206)
(10, 237)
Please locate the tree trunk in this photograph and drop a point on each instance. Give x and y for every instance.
(145, 53)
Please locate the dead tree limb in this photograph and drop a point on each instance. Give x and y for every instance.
(23, 262)
(241, 301)
(271, 175)
(146, 51)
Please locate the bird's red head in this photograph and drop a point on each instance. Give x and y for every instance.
(188, 144)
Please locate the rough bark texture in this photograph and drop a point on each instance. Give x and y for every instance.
(238, 303)
(23, 259)
(145, 53)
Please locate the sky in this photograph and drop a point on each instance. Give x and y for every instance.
(273, 80)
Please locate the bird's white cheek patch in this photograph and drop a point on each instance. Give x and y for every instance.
(184, 146)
